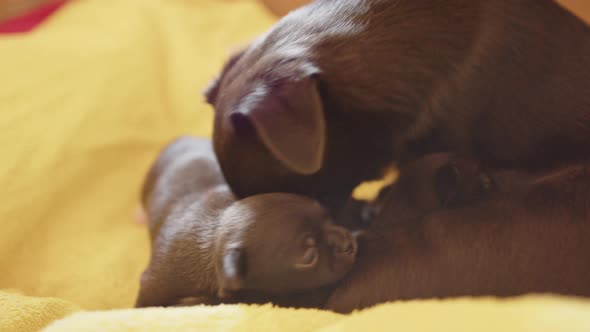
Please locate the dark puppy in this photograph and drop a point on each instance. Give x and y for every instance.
(336, 90)
(208, 246)
(508, 234)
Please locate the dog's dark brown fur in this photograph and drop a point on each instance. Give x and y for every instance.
(509, 233)
(336, 90)
(209, 247)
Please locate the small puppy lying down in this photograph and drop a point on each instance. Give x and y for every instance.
(449, 228)
(210, 247)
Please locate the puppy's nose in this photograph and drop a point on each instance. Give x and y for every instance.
(340, 240)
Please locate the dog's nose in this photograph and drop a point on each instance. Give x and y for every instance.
(340, 241)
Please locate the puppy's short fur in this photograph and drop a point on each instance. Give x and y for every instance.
(447, 228)
(337, 90)
(209, 247)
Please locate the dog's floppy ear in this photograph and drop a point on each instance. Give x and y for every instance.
(212, 90)
(233, 271)
(288, 117)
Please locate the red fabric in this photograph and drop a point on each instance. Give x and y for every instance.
(30, 20)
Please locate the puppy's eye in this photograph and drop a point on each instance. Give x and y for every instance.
(309, 259)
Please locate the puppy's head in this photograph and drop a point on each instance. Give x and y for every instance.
(269, 121)
(433, 182)
(279, 244)
(271, 133)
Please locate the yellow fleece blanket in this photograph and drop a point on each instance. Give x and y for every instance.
(86, 102)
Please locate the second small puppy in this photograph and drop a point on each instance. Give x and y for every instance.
(209, 247)
(449, 228)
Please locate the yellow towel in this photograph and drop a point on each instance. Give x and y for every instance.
(24, 313)
(525, 314)
(86, 102)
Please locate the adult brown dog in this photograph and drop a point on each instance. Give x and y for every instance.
(449, 228)
(337, 90)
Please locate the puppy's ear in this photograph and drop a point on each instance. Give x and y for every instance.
(446, 184)
(288, 117)
(309, 259)
(212, 90)
(233, 271)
